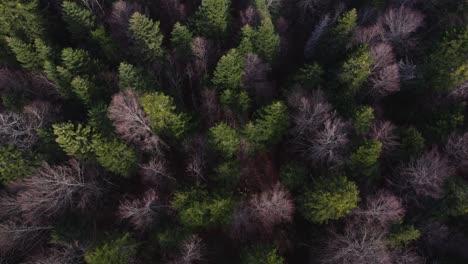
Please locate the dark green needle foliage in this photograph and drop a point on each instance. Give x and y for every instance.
(79, 19)
(147, 37)
(116, 251)
(364, 161)
(261, 255)
(224, 139)
(114, 155)
(212, 18)
(13, 164)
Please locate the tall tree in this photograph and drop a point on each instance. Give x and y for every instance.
(146, 36)
(212, 18)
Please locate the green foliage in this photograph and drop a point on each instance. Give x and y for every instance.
(75, 140)
(79, 19)
(224, 139)
(402, 235)
(98, 120)
(364, 161)
(456, 200)
(83, 89)
(329, 199)
(145, 32)
(363, 119)
(212, 18)
(261, 255)
(13, 164)
(449, 62)
(269, 127)
(228, 72)
(237, 101)
(293, 176)
(105, 42)
(356, 69)
(181, 39)
(345, 26)
(198, 210)
(116, 251)
(412, 142)
(133, 77)
(309, 75)
(25, 54)
(21, 19)
(227, 174)
(443, 121)
(77, 62)
(114, 155)
(162, 113)
(43, 50)
(263, 41)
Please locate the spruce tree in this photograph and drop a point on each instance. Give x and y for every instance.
(228, 72)
(21, 19)
(356, 69)
(80, 20)
(83, 88)
(364, 161)
(363, 119)
(13, 164)
(146, 36)
(133, 77)
(114, 155)
(224, 139)
(114, 251)
(25, 53)
(181, 39)
(212, 18)
(75, 140)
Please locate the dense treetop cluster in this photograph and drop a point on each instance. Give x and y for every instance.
(233, 131)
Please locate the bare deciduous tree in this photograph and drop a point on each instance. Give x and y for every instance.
(383, 209)
(272, 207)
(406, 256)
(16, 130)
(191, 251)
(40, 113)
(368, 35)
(315, 35)
(20, 239)
(255, 77)
(385, 81)
(407, 70)
(64, 254)
(120, 15)
(52, 190)
(197, 161)
(457, 149)
(141, 213)
(210, 107)
(249, 16)
(202, 56)
(385, 133)
(426, 175)
(382, 55)
(155, 171)
(242, 225)
(399, 23)
(358, 244)
(131, 122)
(9, 207)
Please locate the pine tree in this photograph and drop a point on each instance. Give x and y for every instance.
(235, 100)
(13, 164)
(83, 88)
(329, 199)
(364, 161)
(78, 62)
(363, 119)
(114, 155)
(135, 78)
(162, 113)
(356, 70)
(75, 140)
(21, 19)
(115, 251)
(228, 72)
(269, 127)
(25, 54)
(181, 39)
(266, 41)
(261, 255)
(43, 50)
(225, 139)
(105, 42)
(212, 18)
(80, 20)
(146, 36)
(310, 75)
(345, 26)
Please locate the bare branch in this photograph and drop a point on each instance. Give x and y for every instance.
(141, 213)
(385, 133)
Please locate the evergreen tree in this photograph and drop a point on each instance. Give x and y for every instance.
(75, 140)
(105, 42)
(402, 235)
(25, 54)
(43, 50)
(21, 19)
(114, 155)
(13, 164)
(412, 142)
(83, 88)
(310, 75)
(456, 200)
(329, 199)
(115, 251)
(133, 77)
(162, 113)
(146, 36)
(269, 127)
(228, 72)
(224, 139)
(212, 18)
(363, 119)
(237, 101)
(356, 70)
(80, 20)
(261, 255)
(263, 41)
(345, 27)
(181, 39)
(364, 161)
(78, 62)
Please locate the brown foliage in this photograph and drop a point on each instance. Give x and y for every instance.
(53, 189)
(141, 213)
(131, 122)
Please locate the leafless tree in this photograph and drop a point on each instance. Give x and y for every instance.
(40, 113)
(358, 244)
(16, 130)
(63, 254)
(120, 15)
(426, 175)
(155, 171)
(382, 55)
(460, 92)
(202, 56)
(272, 207)
(315, 35)
(131, 122)
(406, 256)
(9, 207)
(368, 35)
(385, 133)
(243, 226)
(97, 6)
(407, 70)
(191, 251)
(249, 16)
(141, 213)
(400, 23)
(255, 77)
(386, 81)
(210, 106)
(19, 239)
(457, 149)
(382, 209)
(197, 151)
(53, 189)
